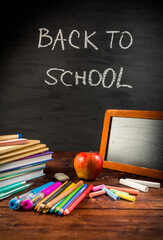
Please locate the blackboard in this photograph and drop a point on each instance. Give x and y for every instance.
(64, 63)
(132, 142)
(136, 142)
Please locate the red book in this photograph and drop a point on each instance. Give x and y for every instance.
(78, 200)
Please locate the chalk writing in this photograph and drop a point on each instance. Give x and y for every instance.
(93, 78)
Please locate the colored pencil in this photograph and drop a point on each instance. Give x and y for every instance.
(39, 203)
(72, 199)
(71, 185)
(61, 196)
(78, 200)
(132, 191)
(63, 187)
(66, 199)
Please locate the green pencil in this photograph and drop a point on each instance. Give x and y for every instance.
(66, 199)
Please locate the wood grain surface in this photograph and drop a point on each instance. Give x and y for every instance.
(98, 218)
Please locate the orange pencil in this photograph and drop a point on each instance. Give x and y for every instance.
(47, 210)
(132, 191)
(78, 200)
(44, 199)
(61, 196)
(57, 193)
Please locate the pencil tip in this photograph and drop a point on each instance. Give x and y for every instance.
(66, 212)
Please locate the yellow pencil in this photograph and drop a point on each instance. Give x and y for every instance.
(45, 210)
(72, 184)
(44, 199)
(61, 196)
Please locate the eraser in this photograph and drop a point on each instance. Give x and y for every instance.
(61, 177)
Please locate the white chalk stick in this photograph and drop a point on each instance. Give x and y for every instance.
(133, 185)
(146, 183)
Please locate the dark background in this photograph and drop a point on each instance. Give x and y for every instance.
(72, 118)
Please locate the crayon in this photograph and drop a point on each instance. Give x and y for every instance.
(111, 194)
(78, 200)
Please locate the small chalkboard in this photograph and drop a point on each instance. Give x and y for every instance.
(132, 142)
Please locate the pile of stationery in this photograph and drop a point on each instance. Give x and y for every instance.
(54, 198)
(62, 198)
(20, 160)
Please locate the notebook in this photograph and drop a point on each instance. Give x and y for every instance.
(23, 170)
(12, 148)
(31, 151)
(25, 177)
(24, 162)
(13, 142)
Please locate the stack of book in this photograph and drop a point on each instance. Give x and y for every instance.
(21, 159)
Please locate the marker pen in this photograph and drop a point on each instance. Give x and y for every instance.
(15, 203)
(30, 202)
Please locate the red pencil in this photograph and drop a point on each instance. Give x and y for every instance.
(78, 200)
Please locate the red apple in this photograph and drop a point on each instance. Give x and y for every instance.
(88, 165)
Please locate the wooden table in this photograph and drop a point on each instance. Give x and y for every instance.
(98, 218)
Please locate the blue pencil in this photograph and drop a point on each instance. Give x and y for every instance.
(72, 199)
(55, 205)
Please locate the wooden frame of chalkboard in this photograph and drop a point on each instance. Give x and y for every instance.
(109, 114)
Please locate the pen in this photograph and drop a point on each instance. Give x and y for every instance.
(30, 202)
(15, 203)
